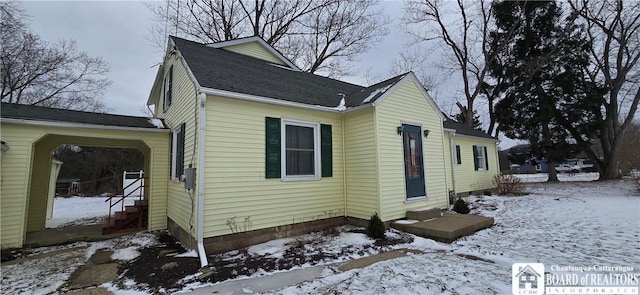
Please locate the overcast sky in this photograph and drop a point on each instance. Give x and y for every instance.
(117, 31)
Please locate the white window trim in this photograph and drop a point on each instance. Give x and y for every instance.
(283, 150)
(166, 90)
(482, 162)
(174, 154)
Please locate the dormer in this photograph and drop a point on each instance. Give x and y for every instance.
(255, 47)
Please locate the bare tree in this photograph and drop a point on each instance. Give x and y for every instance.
(317, 35)
(614, 30)
(54, 75)
(463, 31)
(414, 60)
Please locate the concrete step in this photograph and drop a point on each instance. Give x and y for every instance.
(446, 228)
(424, 214)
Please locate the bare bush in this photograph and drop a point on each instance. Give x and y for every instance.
(508, 184)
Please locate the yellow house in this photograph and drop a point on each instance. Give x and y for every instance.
(261, 149)
(251, 148)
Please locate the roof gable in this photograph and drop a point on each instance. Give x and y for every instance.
(380, 91)
(255, 47)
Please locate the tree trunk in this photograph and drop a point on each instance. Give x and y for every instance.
(551, 171)
(611, 167)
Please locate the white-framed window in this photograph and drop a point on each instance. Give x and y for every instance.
(300, 150)
(480, 154)
(177, 152)
(168, 89)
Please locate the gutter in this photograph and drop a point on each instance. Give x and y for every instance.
(200, 182)
(81, 125)
(268, 100)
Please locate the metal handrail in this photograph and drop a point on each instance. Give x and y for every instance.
(122, 196)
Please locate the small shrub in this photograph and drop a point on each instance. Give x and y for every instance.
(461, 207)
(376, 228)
(508, 185)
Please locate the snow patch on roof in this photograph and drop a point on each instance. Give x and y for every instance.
(342, 106)
(156, 122)
(376, 92)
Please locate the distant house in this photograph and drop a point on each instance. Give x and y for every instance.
(251, 148)
(522, 160)
(66, 186)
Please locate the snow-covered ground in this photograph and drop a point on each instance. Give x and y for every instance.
(81, 210)
(564, 224)
(48, 268)
(541, 177)
(577, 223)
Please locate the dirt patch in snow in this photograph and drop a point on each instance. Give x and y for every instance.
(158, 270)
(306, 250)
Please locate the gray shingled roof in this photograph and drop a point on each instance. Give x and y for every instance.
(39, 113)
(226, 70)
(465, 130)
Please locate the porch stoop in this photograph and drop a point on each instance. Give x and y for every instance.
(132, 219)
(442, 226)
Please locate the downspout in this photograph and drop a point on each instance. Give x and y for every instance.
(454, 162)
(201, 153)
(344, 166)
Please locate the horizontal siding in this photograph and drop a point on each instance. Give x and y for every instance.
(24, 187)
(361, 164)
(13, 189)
(184, 108)
(256, 50)
(406, 104)
(236, 190)
(467, 178)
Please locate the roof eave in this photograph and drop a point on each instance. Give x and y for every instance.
(81, 125)
(267, 100)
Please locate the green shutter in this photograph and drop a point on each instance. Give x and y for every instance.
(170, 93)
(326, 152)
(475, 158)
(486, 159)
(458, 156)
(180, 151)
(170, 153)
(272, 148)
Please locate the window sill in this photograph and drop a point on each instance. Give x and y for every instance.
(415, 199)
(299, 178)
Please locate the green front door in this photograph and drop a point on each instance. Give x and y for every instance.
(413, 162)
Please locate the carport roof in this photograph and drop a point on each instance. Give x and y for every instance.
(39, 113)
